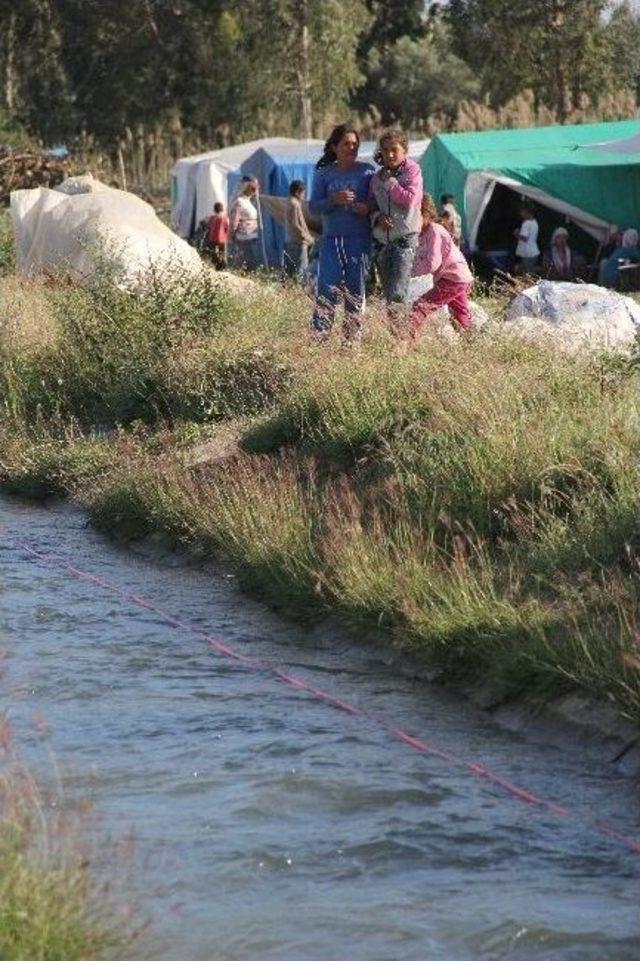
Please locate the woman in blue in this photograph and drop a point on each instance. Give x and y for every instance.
(340, 193)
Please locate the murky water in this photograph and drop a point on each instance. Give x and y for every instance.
(272, 826)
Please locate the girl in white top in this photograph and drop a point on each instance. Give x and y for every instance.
(527, 250)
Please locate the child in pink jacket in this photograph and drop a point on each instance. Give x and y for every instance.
(438, 254)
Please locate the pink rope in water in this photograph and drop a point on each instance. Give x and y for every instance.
(416, 743)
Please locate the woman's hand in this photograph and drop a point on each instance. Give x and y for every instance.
(361, 209)
(343, 197)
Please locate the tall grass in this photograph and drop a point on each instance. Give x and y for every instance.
(476, 498)
(52, 906)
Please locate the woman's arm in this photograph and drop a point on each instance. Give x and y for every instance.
(320, 202)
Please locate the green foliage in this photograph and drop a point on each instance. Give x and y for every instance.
(227, 70)
(562, 50)
(50, 907)
(415, 79)
(7, 246)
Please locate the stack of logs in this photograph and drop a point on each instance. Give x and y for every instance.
(29, 168)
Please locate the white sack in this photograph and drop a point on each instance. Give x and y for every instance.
(83, 223)
(574, 315)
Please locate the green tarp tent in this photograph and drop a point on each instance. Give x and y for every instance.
(574, 170)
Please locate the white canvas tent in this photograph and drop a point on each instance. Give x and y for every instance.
(200, 181)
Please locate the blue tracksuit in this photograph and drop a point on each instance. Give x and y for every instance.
(344, 251)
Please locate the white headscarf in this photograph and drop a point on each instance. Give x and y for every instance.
(561, 259)
(630, 238)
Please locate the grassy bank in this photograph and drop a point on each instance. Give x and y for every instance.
(477, 499)
(51, 906)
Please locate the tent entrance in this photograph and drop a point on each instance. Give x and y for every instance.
(481, 186)
(501, 218)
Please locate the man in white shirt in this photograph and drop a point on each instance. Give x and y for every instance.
(527, 250)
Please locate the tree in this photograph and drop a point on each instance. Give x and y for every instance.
(556, 48)
(416, 79)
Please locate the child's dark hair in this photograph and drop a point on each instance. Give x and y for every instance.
(447, 199)
(527, 207)
(218, 208)
(297, 187)
(392, 135)
(334, 138)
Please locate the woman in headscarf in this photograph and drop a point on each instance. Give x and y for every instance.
(608, 274)
(559, 261)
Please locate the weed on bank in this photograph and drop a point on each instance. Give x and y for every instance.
(477, 499)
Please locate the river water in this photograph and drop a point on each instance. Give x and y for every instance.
(270, 825)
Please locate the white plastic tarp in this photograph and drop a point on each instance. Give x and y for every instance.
(574, 316)
(82, 223)
(479, 190)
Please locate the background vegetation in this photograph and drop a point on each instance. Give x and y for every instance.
(147, 81)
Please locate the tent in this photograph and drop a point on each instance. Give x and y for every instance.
(275, 165)
(199, 181)
(558, 167)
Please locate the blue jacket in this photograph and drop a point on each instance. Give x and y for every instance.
(338, 220)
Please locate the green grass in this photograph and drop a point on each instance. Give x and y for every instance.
(52, 908)
(477, 499)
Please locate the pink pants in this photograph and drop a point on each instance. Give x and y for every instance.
(446, 293)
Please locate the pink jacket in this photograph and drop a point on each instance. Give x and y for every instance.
(398, 197)
(437, 254)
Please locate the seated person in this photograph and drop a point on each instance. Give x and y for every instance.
(559, 261)
(628, 251)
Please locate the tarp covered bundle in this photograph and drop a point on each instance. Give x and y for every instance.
(575, 170)
(83, 224)
(574, 316)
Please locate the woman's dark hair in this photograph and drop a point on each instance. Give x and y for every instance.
(297, 187)
(332, 142)
(392, 135)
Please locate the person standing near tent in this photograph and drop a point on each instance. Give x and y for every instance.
(244, 227)
(439, 255)
(527, 250)
(396, 195)
(218, 236)
(340, 194)
(297, 236)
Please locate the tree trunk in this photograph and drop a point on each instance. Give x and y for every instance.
(302, 69)
(9, 79)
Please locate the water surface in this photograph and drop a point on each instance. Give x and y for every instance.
(271, 826)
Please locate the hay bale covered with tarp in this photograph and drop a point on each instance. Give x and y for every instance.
(83, 226)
